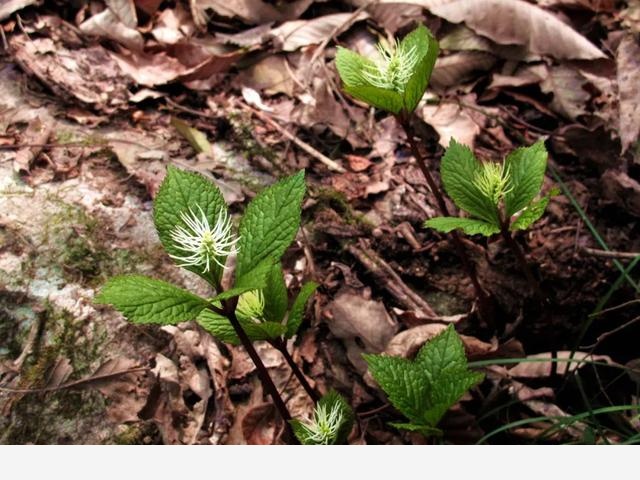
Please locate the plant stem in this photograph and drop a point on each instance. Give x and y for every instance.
(282, 348)
(265, 378)
(484, 301)
(518, 252)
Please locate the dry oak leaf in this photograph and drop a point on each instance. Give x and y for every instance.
(514, 22)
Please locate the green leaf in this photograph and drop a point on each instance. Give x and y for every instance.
(470, 226)
(404, 383)
(256, 279)
(350, 66)
(221, 328)
(276, 298)
(270, 223)
(424, 389)
(530, 215)
(331, 424)
(179, 192)
(427, 45)
(145, 300)
(526, 166)
(423, 429)
(458, 169)
(444, 364)
(297, 310)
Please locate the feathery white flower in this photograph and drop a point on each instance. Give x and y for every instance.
(395, 67)
(201, 243)
(325, 425)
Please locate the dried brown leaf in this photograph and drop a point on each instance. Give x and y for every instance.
(10, 6)
(363, 324)
(567, 86)
(538, 368)
(514, 22)
(300, 33)
(628, 64)
(250, 11)
(106, 24)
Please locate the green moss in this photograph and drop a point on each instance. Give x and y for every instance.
(332, 198)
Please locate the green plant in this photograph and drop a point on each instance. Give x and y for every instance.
(499, 197)
(195, 229)
(396, 83)
(425, 388)
(331, 423)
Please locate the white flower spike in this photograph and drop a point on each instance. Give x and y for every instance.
(324, 427)
(201, 243)
(395, 67)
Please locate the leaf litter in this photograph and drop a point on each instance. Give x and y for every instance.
(110, 95)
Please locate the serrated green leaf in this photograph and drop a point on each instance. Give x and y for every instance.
(424, 389)
(255, 279)
(526, 166)
(470, 226)
(221, 328)
(423, 429)
(179, 192)
(458, 168)
(276, 298)
(270, 223)
(333, 420)
(444, 363)
(403, 382)
(296, 313)
(530, 214)
(427, 45)
(145, 300)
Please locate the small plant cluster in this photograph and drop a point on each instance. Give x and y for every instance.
(499, 197)
(197, 232)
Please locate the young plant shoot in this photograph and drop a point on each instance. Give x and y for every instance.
(194, 226)
(396, 83)
(499, 197)
(332, 421)
(425, 388)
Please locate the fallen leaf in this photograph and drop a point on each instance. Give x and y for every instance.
(300, 33)
(358, 163)
(106, 24)
(86, 74)
(10, 6)
(514, 22)
(569, 97)
(628, 65)
(270, 75)
(460, 67)
(451, 120)
(620, 188)
(195, 137)
(125, 10)
(250, 11)
(363, 324)
(537, 369)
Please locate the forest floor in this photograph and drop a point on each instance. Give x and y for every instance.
(97, 99)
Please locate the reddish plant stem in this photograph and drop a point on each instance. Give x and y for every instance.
(265, 378)
(484, 301)
(282, 348)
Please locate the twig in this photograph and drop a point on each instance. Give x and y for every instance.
(331, 164)
(75, 383)
(337, 29)
(609, 253)
(388, 279)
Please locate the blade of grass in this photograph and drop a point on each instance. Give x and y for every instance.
(564, 420)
